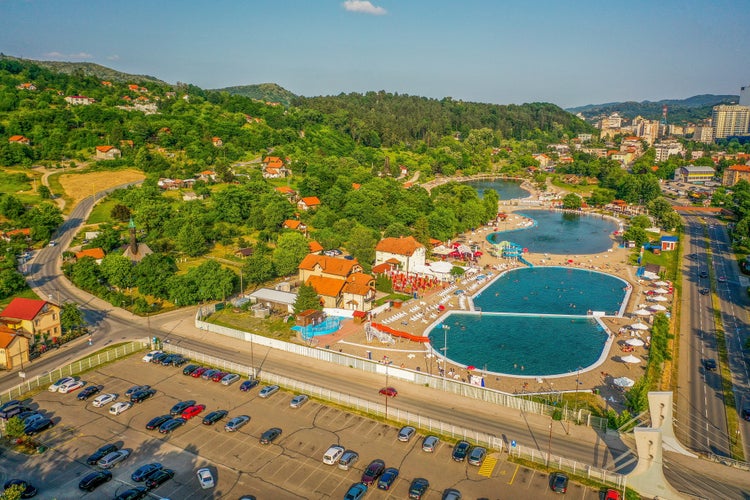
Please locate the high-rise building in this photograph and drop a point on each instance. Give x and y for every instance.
(745, 95)
(730, 119)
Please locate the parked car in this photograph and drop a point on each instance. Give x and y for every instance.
(387, 478)
(167, 360)
(430, 443)
(558, 482)
(89, 391)
(356, 491)
(120, 407)
(142, 472)
(13, 411)
(348, 459)
(28, 490)
(418, 488)
(333, 454)
(112, 459)
(71, 386)
(140, 396)
(205, 478)
(208, 374)
(56, 386)
(179, 360)
(237, 422)
(710, 364)
(248, 384)
(136, 388)
(199, 371)
(704, 291)
(460, 451)
(157, 359)
(92, 481)
(229, 379)
(451, 494)
(101, 452)
(192, 411)
(745, 412)
(9, 404)
(268, 391)
(216, 377)
(149, 356)
(133, 493)
(171, 425)
(299, 400)
(180, 407)
(373, 472)
(158, 478)
(38, 426)
(611, 494)
(270, 435)
(156, 422)
(30, 419)
(189, 369)
(391, 392)
(406, 433)
(476, 455)
(214, 417)
(104, 399)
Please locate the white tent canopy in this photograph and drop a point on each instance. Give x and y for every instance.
(639, 326)
(441, 250)
(661, 283)
(635, 342)
(623, 382)
(630, 359)
(642, 312)
(661, 291)
(657, 307)
(659, 298)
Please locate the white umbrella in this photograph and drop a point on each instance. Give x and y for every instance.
(630, 359)
(642, 312)
(639, 326)
(661, 291)
(661, 283)
(657, 307)
(623, 382)
(659, 298)
(635, 342)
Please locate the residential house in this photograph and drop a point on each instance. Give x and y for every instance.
(95, 253)
(79, 100)
(243, 253)
(16, 233)
(308, 203)
(358, 292)
(217, 142)
(19, 139)
(207, 176)
(34, 317)
(107, 153)
(329, 267)
(668, 243)
(286, 191)
(315, 247)
(107, 83)
(406, 250)
(273, 162)
(544, 160)
(26, 86)
(272, 173)
(14, 349)
(735, 174)
(294, 224)
(329, 290)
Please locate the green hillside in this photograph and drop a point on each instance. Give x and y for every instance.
(86, 69)
(690, 110)
(266, 92)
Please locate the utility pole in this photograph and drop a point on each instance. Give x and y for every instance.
(549, 444)
(445, 351)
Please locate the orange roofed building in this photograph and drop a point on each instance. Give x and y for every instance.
(19, 139)
(339, 282)
(14, 348)
(735, 174)
(107, 153)
(308, 203)
(95, 253)
(34, 317)
(407, 251)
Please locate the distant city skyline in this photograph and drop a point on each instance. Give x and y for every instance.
(510, 52)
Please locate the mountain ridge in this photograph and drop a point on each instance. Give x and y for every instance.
(694, 108)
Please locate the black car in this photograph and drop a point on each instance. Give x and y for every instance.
(28, 489)
(12, 411)
(373, 472)
(460, 451)
(136, 388)
(38, 426)
(92, 481)
(140, 396)
(171, 425)
(144, 471)
(158, 478)
(709, 364)
(703, 274)
(8, 404)
(189, 369)
(248, 384)
(158, 358)
(101, 453)
(704, 291)
(270, 435)
(418, 488)
(133, 494)
(558, 482)
(745, 412)
(156, 422)
(179, 360)
(214, 417)
(180, 407)
(89, 391)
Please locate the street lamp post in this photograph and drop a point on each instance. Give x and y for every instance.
(386, 391)
(445, 351)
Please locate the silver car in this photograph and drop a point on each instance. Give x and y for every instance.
(348, 459)
(236, 423)
(476, 455)
(299, 400)
(229, 379)
(112, 459)
(268, 391)
(430, 443)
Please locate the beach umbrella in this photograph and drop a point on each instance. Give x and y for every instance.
(639, 326)
(471, 367)
(630, 359)
(659, 298)
(661, 283)
(642, 312)
(635, 342)
(657, 307)
(661, 291)
(623, 382)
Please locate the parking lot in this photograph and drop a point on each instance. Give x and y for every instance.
(290, 467)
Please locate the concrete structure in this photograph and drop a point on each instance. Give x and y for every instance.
(729, 120)
(666, 149)
(693, 174)
(704, 134)
(274, 299)
(661, 408)
(735, 174)
(745, 95)
(648, 476)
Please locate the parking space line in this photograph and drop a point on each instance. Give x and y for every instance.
(514, 474)
(488, 466)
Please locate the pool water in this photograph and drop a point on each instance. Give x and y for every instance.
(330, 325)
(506, 190)
(561, 233)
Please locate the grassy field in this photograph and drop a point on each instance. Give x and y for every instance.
(273, 327)
(20, 182)
(101, 212)
(79, 186)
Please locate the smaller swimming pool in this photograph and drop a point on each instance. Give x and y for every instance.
(330, 325)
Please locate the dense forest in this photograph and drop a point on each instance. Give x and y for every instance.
(680, 111)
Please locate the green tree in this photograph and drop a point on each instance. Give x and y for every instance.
(14, 428)
(191, 240)
(15, 492)
(44, 192)
(11, 282)
(636, 234)
(307, 298)
(120, 212)
(152, 274)
(640, 221)
(290, 249)
(361, 244)
(71, 317)
(214, 282)
(572, 202)
(117, 270)
(85, 274)
(258, 268)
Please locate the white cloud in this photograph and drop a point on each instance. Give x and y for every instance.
(81, 55)
(60, 55)
(363, 7)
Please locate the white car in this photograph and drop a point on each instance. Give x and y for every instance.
(104, 399)
(120, 407)
(332, 454)
(206, 478)
(148, 357)
(56, 386)
(71, 386)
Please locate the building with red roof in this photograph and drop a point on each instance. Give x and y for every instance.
(14, 348)
(33, 316)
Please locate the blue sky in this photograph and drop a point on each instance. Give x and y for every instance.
(500, 51)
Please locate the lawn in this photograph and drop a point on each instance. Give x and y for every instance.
(101, 212)
(21, 183)
(273, 327)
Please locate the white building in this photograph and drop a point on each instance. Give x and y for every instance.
(745, 95)
(729, 120)
(406, 250)
(666, 149)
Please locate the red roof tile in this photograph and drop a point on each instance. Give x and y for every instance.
(399, 246)
(22, 308)
(95, 253)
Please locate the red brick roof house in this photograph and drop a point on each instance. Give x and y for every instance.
(95, 253)
(273, 162)
(308, 203)
(329, 290)
(294, 224)
(406, 250)
(14, 348)
(314, 246)
(217, 142)
(322, 265)
(16, 233)
(207, 176)
(19, 139)
(27, 86)
(35, 317)
(107, 153)
(286, 191)
(358, 292)
(244, 252)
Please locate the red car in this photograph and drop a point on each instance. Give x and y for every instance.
(612, 495)
(391, 392)
(218, 376)
(197, 373)
(192, 411)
